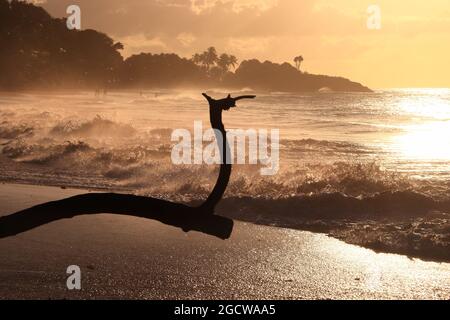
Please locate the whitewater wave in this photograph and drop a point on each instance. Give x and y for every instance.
(337, 206)
(97, 127)
(11, 132)
(399, 222)
(55, 141)
(147, 168)
(45, 154)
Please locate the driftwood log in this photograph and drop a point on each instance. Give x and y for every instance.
(201, 218)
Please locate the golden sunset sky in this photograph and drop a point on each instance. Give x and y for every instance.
(411, 49)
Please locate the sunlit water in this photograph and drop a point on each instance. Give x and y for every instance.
(355, 143)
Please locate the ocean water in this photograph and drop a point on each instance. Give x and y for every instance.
(354, 144)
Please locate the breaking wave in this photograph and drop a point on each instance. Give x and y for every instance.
(14, 132)
(144, 166)
(337, 206)
(97, 127)
(45, 155)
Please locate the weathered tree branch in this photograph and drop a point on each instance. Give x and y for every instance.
(187, 218)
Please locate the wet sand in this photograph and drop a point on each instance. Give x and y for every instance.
(125, 257)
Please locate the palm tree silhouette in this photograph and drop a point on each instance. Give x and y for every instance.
(197, 59)
(225, 61)
(210, 57)
(298, 61)
(233, 61)
(207, 59)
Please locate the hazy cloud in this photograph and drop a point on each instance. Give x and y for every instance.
(186, 39)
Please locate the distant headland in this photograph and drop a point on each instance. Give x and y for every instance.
(40, 52)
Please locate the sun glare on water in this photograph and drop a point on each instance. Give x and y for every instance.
(428, 137)
(430, 141)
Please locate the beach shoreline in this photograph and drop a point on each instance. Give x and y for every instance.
(423, 236)
(134, 258)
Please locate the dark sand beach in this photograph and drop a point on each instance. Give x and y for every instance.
(125, 257)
